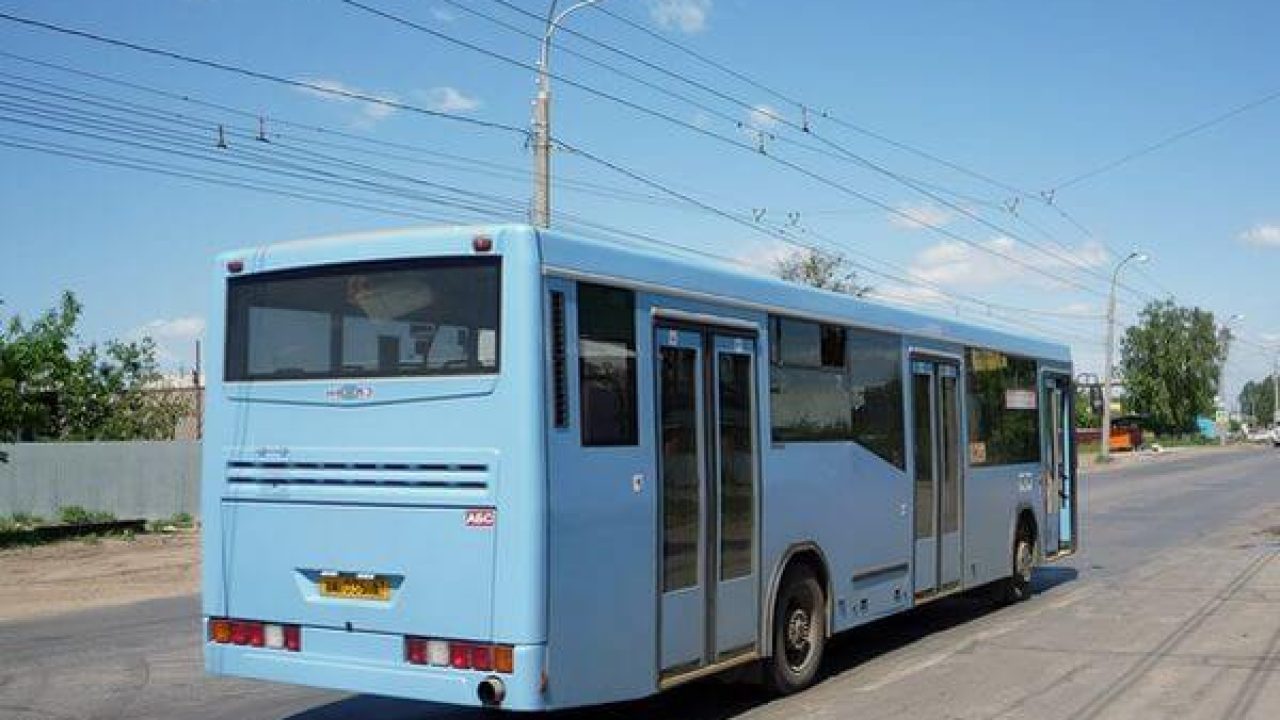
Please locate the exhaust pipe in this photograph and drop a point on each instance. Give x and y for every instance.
(491, 691)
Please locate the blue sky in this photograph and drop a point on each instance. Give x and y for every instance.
(1029, 94)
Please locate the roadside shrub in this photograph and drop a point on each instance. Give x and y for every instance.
(178, 521)
(76, 515)
(27, 519)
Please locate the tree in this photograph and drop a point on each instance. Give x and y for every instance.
(1172, 364)
(821, 269)
(1257, 400)
(54, 388)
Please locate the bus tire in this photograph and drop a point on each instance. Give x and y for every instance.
(1017, 587)
(799, 632)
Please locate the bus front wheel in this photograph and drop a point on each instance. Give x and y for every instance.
(799, 631)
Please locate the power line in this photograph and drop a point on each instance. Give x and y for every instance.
(806, 107)
(482, 166)
(264, 76)
(115, 160)
(472, 46)
(730, 217)
(927, 189)
(1166, 141)
(400, 20)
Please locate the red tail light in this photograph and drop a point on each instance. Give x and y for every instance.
(225, 631)
(415, 651)
(459, 655)
(245, 632)
(482, 657)
(293, 638)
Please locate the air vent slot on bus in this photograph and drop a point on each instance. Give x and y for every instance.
(363, 474)
(559, 362)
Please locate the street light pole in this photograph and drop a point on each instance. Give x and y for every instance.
(1222, 390)
(542, 119)
(1111, 341)
(1275, 390)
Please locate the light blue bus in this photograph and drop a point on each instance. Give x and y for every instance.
(504, 467)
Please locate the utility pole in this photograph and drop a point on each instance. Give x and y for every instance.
(541, 210)
(197, 380)
(1111, 342)
(1275, 390)
(1222, 390)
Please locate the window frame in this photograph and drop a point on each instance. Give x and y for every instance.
(632, 437)
(236, 345)
(975, 412)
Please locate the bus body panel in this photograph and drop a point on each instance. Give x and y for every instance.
(602, 565)
(320, 484)
(573, 559)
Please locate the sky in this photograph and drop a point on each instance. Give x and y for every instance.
(936, 132)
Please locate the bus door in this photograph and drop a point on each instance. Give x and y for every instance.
(707, 507)
(1059, 475)
(938, 473)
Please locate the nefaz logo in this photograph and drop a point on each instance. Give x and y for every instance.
(482, 518)
(348, 392)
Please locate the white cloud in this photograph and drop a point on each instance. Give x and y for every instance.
(765, 256)
(174, 337)
(1082, 309)
(1265, 234)
(763, 117)
(913, 295)
(687, 16)
(449, 99)
(443, 14)
(332, 90)
(918, 217)
(954, 264)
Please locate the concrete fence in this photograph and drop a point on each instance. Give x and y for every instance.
(150, 480)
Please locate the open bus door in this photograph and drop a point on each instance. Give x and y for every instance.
(1060, 495)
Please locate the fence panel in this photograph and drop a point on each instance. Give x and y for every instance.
(150, 480)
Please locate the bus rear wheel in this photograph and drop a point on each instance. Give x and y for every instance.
(1017, 587)
(799, 632)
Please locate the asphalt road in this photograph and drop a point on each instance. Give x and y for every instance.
(1172, 610)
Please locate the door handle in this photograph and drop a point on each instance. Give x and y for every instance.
(637, 482)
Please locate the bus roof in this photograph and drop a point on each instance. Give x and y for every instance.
(686, 272)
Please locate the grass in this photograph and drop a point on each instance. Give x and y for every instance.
(19, 522)
(177, 521)
(76, 515)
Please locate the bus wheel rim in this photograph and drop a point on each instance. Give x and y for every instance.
(798, 643)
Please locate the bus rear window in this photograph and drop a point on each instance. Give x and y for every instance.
(418, 317)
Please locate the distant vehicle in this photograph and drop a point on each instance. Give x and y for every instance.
(502, 467)
(1275, 436)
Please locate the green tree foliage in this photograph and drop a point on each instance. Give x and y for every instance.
(1172, 363)
(821, 269)
(1257, 400)
(1085, 416)
(52, 387)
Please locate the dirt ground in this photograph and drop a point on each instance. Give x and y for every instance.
(77, 574)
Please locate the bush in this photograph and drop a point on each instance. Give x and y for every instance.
(76, 515)
(177, 521)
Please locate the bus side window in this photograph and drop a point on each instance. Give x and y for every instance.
(607, 365)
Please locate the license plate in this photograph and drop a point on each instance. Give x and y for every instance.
(355, 588)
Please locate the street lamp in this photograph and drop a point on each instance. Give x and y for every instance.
(1226, 353)
(542, 118)
(1111, 341)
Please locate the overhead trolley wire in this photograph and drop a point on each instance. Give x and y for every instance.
(263, 76)
(493, 125)
(256, 74)
(1165, 142)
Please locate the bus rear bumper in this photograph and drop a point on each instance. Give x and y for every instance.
(372, 663)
